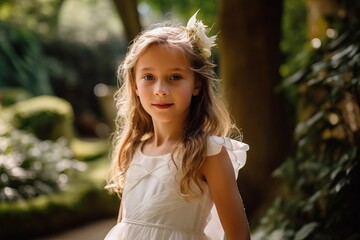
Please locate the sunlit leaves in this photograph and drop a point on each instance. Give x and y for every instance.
(30, 167)
(321, 188)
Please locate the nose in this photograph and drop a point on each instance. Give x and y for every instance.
(161, 88)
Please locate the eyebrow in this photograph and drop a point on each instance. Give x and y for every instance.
(171, 69)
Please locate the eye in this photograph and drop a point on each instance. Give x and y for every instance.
(176, 77)
(148, 77)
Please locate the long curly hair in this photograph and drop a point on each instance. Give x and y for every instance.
(208, 114)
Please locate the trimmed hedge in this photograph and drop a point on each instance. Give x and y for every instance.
(47, 117)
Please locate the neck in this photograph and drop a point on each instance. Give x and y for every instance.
(166, 133)
(165, 137)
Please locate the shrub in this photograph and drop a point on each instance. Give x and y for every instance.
(30, 167)
(47, 117)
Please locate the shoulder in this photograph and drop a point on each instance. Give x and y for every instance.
(221, 149)
(216, 164)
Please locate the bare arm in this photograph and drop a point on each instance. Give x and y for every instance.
(220, 177)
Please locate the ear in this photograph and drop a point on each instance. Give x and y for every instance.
(197, 89)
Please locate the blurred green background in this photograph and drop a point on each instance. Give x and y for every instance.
(291, 78)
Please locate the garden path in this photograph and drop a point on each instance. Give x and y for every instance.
(92, 231)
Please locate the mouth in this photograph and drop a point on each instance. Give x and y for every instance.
(162, 105)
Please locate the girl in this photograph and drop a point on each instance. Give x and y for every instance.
(172, 163)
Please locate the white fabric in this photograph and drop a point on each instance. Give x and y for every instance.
(153, 207)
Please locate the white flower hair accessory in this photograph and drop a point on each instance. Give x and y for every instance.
(198, 30)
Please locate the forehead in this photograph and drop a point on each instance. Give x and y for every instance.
(163, 55)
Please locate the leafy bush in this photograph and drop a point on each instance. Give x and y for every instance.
(321, 187)
(30, 167)
(47, 117)
(9, 96)
(48, 214)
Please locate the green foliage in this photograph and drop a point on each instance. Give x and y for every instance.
(321, 192)
(186, 8)
(294, 36)
(22, 61)
(30, 167)
(294, 45)
(47, 117)
(36, 57)
(47, 214)
(9, 96)
(37, 15)
(76, 67)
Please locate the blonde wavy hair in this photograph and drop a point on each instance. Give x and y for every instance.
(208, 114)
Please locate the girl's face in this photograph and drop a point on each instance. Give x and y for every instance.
(165, 83)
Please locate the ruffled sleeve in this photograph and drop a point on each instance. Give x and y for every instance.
(236, 150)
(237, 153)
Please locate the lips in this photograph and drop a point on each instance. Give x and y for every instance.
(162, 105)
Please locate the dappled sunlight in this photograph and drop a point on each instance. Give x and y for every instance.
(291, 79)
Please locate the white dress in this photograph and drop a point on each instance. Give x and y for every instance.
(152, 208)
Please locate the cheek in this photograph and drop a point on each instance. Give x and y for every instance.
(141, 92)
(141, 89)
(186, 96)
(143, 95)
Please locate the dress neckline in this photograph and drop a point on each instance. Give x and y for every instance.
(139, 150)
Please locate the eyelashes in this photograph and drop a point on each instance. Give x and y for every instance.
(148, 77)
(174, 77)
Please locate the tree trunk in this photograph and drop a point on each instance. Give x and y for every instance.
(129, 15)
(249, 62)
